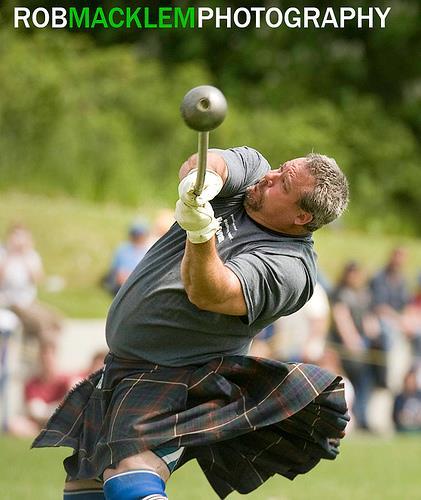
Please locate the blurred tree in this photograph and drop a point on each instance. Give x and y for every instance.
(265, 65)
(108, 97)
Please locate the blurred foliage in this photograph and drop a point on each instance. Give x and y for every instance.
(90, 122)
(96, 114)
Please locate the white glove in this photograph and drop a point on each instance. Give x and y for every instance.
(199, 222)
(211, 187)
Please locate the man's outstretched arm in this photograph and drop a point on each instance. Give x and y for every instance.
(208, 283)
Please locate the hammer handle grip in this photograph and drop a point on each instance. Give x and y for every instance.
(202, 154)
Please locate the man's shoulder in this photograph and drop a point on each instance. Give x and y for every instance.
(245, 166)
(245, 156)
(238, 149)
(284, 257)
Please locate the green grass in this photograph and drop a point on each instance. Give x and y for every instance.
(368, 468)
(76, 240)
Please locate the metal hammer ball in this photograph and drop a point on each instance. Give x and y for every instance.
(203, 108)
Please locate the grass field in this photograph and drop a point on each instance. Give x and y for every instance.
(76, 240)
(368, 468)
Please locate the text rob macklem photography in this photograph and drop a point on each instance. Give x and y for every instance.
(142, 17)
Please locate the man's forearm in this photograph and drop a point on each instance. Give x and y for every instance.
(201, 270)
(209, 284)
(214, 162)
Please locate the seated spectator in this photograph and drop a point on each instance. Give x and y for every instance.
(42, 394)
(127, 257)
(407, 406)
(20, 272)
(357, 332)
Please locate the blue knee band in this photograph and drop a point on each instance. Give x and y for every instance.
(133, 485)
(84, 495)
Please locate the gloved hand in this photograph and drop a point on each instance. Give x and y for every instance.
(199, 222)
(211, 187)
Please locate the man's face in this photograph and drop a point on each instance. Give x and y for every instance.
(273, 201)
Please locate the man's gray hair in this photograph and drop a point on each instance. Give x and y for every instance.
(329, 198)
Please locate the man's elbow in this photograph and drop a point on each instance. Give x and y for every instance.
(222, 305)
(198, 300)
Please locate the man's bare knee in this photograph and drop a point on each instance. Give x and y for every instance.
(147, 460)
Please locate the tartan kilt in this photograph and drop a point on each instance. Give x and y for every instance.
(244, 419)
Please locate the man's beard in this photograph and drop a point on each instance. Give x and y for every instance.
(253, 200)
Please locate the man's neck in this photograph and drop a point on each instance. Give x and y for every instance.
(291, 230)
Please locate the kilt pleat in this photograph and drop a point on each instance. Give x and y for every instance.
(244, 419)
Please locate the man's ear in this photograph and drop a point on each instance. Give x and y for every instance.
(303, 218)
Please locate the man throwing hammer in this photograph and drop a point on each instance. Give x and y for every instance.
(177, 383)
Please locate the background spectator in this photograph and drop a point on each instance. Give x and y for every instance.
(389, 288)
(20, 272)
(42, 394)
(390, 296)
(127, 256)
(357, 332)
(407, 406)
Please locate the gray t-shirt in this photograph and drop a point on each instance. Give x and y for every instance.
(151, 316)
